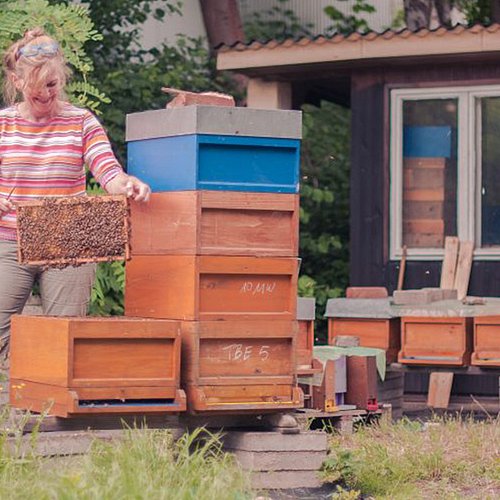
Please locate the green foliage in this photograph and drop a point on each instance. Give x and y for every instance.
(70, 25)
(108, 292)
(120, 22)
(324, 212)
(346, 24)
(476, 11)
(276, 23)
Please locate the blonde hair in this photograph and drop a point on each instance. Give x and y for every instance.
(34, 71)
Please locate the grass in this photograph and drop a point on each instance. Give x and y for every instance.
(442, 459)
(146, 464)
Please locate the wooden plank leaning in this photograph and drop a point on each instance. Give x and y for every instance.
(448, 269)
(464, 266)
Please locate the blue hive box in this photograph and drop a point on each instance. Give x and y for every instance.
(215, 148)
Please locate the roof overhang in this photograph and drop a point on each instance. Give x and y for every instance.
(341, 52)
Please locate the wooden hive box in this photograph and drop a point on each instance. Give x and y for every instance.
(372, 332)
(486, 350)
(216, 223)
(371, 320)
(436, 341)
(239, 366)
(306, 314)
(198, 147)
(76, 366)
(64, 231)
(211, 287)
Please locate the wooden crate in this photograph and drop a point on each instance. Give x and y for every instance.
(243, 366)
(486, 350)
(65, 231)
(436, 341)
(216, 223)
(211, 287)
(372, 332)
(75, 366)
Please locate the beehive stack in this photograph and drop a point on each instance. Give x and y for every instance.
(216, 248)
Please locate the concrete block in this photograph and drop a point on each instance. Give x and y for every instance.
(412, 297)
(306, 308)
(436, 293)
(279, 460)
(290, 479)
(450, 294)
(275, 441)
(60, 443)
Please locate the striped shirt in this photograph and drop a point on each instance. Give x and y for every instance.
(48, 159)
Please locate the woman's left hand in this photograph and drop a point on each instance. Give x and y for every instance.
(130, 186)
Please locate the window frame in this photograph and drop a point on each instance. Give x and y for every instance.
(468, 167)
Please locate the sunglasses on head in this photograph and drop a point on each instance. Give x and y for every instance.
(33, 50)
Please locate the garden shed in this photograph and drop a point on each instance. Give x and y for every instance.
(425, 139)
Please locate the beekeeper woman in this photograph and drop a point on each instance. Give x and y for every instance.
(44, 144)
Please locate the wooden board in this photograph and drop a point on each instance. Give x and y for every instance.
(448, 270)
(439, 389)
(366, 292)
(216, 223)
(211, 287)
(95, 365)
(464, 266)
(64, 231)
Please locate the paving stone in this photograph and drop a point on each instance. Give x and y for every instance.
(412, 297)
(280, 460)
(275, 441)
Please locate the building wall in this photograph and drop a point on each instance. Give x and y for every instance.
(370, 176)
(190, 23)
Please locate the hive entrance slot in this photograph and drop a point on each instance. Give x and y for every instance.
(100, 403)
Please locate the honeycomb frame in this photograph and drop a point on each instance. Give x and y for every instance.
(58, 232)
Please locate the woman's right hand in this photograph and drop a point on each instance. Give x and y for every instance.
(6, 206)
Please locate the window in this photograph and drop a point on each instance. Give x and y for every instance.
(445, 170)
